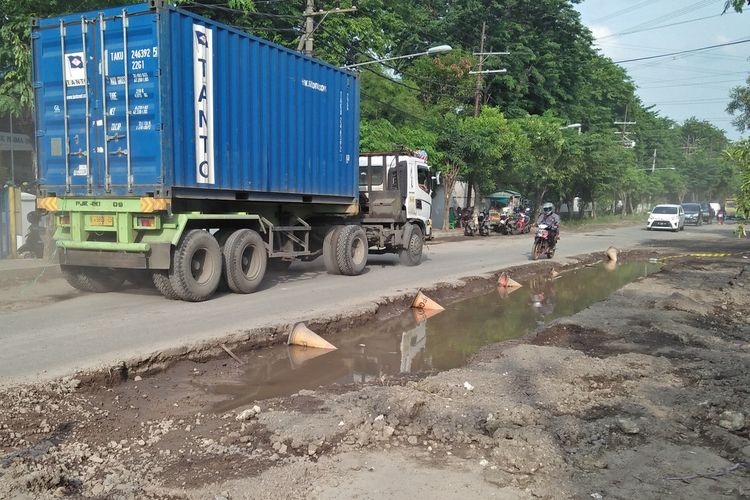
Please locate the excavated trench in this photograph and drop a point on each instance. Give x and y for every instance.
(391, 344)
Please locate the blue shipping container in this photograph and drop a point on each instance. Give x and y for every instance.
(139, 100)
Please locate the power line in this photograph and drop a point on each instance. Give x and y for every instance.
(672, 14)
(662, 26)
(623, 11)
(689, 51)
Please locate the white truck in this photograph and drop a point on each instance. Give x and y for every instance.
(396, 193)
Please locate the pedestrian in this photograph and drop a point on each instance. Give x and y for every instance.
(720, 215)
(458, 216)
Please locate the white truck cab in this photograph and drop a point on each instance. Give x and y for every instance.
(381, 172)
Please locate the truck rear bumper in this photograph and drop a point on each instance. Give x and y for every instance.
(157, 257)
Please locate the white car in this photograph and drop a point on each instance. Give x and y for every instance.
(670, 217)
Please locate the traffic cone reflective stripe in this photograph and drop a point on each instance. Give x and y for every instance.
(301, 335)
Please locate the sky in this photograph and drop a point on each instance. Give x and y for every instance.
(684, 85)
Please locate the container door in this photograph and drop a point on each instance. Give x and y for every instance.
(64, 72)
(97, 104)
(128, 117)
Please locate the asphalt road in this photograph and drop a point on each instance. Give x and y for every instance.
(87, 331)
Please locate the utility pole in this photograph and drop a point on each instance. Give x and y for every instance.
(306, 40)
(478, 94)
(12, 153)
(480, 71)
(624, 139)
(653, 162)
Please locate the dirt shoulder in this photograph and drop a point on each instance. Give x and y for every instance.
(643, 395)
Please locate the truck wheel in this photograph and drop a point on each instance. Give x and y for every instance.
(351, 250)
(162, 283)
(411, 252)
(221, 238)
(245, 261)
(329, 250)
(92, 279)
(196, 266)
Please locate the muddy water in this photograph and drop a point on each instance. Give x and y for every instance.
(412, 344)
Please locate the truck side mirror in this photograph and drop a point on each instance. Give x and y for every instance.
(436, 178)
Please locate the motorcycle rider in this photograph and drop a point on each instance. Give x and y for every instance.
(551, 219)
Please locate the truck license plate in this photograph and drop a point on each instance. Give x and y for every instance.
(101, 220)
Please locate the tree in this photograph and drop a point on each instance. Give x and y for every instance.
(737, 5)
(740, 104)
(542, 173)
(473, 148)
(739, 154)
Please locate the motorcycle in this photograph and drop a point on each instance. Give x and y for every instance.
(469, 222)
(33, 245)
(545, 241)
(483, 223)
(519, 225)
(502, 225)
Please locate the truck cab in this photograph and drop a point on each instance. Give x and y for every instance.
(409, 176)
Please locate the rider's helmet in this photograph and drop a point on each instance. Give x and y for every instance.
(548, 208)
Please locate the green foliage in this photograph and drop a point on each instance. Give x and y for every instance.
(739, 155)
(740, 104)
(737, 5)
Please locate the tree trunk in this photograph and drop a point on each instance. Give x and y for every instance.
(539, 199)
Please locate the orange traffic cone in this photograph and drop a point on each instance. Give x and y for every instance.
(612, 254)
(422, 301)
(301, 355)
(506, 281)
(301, 335)
(504, 291)
(421, 315)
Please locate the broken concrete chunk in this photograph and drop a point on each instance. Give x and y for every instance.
(732, 420)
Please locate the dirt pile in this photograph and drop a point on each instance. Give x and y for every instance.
(644, 395)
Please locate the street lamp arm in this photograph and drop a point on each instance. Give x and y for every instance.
(440, 49)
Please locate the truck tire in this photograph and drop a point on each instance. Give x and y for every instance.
(330, 243)
(196, 266)
(245, 261)
(221, 238)
(351, 250)
(410, 253)
(92, 279)
(162, 283)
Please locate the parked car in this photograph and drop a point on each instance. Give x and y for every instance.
(693, 213)
(670, 217)
(706, 212)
